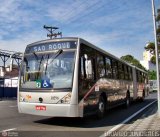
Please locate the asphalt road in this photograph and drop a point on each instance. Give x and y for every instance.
(38, 126)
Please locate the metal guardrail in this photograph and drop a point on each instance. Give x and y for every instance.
(6, 54)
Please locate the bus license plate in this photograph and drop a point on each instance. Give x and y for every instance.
(41, 108)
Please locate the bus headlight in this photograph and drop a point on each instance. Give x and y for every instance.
(21, 99)
(66, 99)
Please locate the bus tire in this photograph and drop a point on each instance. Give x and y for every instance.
(101, 108)
(127, 100)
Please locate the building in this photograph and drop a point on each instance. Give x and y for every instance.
(146, 62)
(9, 78)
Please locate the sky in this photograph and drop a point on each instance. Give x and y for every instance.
(120, 27)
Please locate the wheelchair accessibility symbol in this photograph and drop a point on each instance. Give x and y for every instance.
(46, 84)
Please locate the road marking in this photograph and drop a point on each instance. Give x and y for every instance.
(125, 121)
(6, 130)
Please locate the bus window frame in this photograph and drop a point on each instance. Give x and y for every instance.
(49, 89)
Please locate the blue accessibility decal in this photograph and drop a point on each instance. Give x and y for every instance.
(46, 84)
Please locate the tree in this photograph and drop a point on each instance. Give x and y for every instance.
(151, 48)
(130, 59)
(151, 45)
(152, 75)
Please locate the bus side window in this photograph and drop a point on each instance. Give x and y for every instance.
(108, 67)
(82, 65)
(87, 75)
(130, 73)
(120, 70)
(126, 72)
(87, 68)
(100, 66)
(114, 69)
(137, 75)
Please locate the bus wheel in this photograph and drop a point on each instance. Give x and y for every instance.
(127, 101)
(101, 108)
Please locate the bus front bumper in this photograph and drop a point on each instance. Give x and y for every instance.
(55, 110)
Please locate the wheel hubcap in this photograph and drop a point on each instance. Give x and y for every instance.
(101, 106)
(127, 102)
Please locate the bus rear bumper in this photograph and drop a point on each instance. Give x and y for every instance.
(55, 110)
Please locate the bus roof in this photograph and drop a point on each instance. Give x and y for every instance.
(52, 40)
(88, 44)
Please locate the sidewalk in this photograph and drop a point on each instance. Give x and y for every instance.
(8, 99)
(148, 125)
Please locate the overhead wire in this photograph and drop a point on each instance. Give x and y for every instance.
(119, 8)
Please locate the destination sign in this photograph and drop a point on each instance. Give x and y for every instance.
(51, 46)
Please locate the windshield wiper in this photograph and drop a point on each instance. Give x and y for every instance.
(39, 62)
(56, 55)
(35, 55)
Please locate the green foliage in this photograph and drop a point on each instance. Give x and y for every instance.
(152, 75)
(153, 59)
(158, 15)
(151, 45)
(130, 59)
(158, 30)
(151, 48)
(158, 18)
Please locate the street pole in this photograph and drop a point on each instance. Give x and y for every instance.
(157, 55)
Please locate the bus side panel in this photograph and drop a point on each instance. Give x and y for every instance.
(113, 91)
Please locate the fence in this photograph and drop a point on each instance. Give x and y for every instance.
(8, 92)
(8, 88)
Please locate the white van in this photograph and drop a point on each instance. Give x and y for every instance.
(152, 85)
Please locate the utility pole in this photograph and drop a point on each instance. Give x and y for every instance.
(157, 55)
(51, 30)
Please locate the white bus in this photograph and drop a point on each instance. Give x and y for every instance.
(70, 77)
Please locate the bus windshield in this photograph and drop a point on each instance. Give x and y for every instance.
(48, 70)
